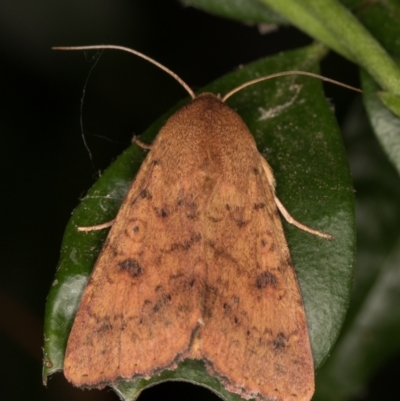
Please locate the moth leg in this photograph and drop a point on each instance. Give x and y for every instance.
(110, 223)
(285, 213)
(138, 142)
(96, 227)
(296, 223)
(268, 172)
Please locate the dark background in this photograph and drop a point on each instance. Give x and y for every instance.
(45, 167)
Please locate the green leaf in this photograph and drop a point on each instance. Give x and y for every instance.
(191, 371)
(295, 130)
(247, 11)
(386, 125)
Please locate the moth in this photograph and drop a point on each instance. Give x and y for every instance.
(196, 265)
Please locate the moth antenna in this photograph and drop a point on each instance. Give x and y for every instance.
(283, 73)
(127, 49)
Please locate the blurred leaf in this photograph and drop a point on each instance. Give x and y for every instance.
(391, 101)
(301, 15)
(247, 11)
(377, 188)
(372, 339)
(295, 129)
(332, 24)
(352, 4)
(382, 18)
(386, 125)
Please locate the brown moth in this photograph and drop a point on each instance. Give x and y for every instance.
(196, 265)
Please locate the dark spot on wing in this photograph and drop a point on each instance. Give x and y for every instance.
(280, 341)
(240, 223)
(264, 279)
(191, 208)
(176, 276)
(258, 206)
(114, 250)
(163, 212)
(221, 253)
(132, 266)
(286, 264)
(135, 229)
(185, 245)
(236, 213)
(163, 300)
(105, 325)
(211, 244)
(145, 194)
(192, 212)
